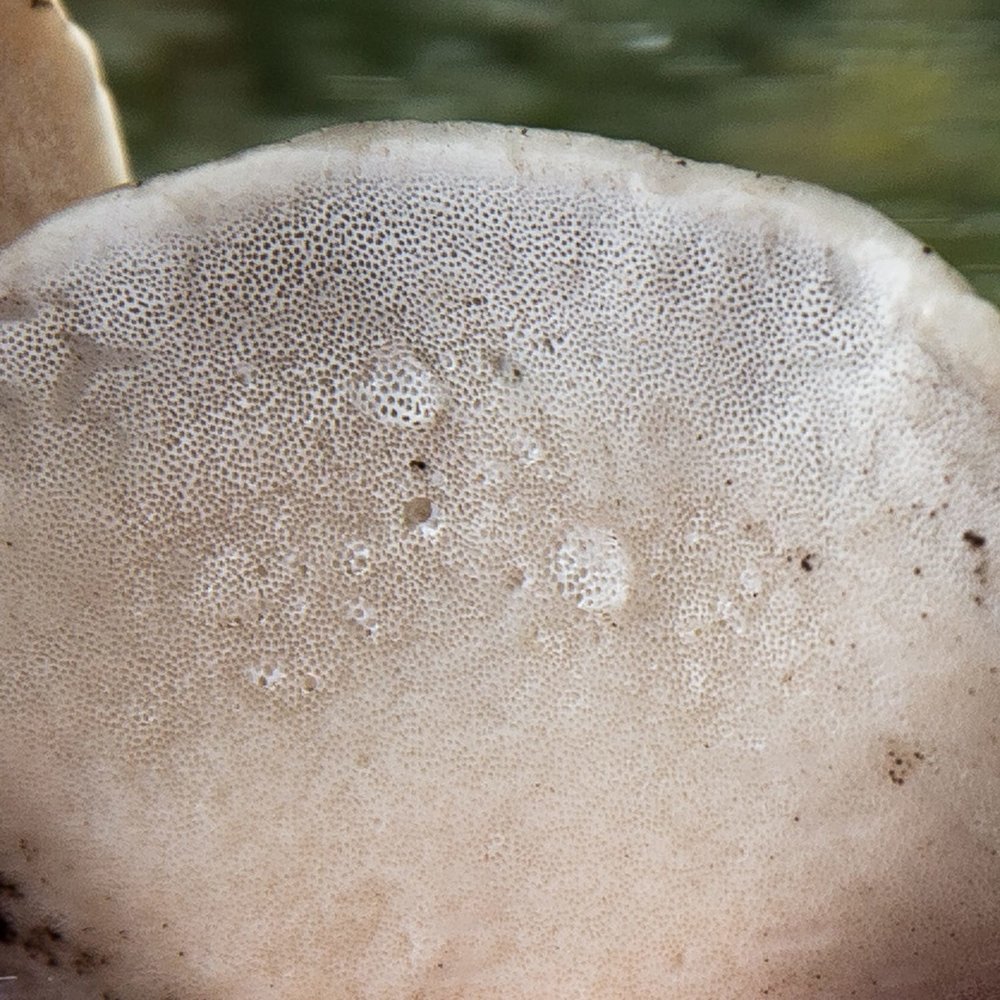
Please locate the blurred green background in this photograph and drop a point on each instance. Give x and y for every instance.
(897, 103)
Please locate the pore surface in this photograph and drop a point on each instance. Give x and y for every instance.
(453, 561)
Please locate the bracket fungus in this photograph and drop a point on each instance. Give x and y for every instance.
(61, 140)
(464, 561)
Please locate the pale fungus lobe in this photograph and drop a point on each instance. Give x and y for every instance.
(467, 562)
(61, 140)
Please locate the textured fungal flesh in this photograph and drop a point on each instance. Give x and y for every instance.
(459, 561)
(61, 140)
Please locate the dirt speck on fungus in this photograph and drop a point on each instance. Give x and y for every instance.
(902, 763)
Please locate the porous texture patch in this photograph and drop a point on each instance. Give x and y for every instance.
(464, 562)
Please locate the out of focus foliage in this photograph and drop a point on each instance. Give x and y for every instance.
(894, 101)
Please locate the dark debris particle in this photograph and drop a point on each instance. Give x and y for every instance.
(902, 764)
(8, 932)
(927, 249)
(807, 562)
(681, 163)
(418, 465)
(973, 539)
(417, 511)
(46, 931)
(43, 941)
(8, 889)
(85, 962)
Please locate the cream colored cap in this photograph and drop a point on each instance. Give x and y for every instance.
(61, 140)
(460, 561)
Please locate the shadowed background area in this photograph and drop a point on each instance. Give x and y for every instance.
(896, 103)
